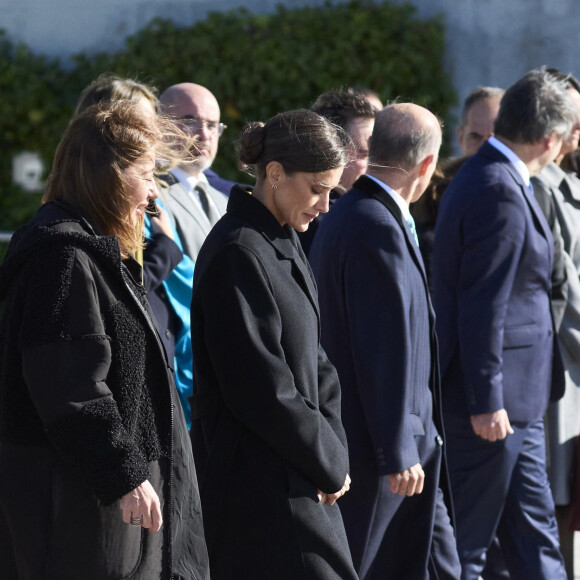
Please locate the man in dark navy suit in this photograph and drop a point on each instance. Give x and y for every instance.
(492, 263)
(378, 329)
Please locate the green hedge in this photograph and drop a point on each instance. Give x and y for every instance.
(255, 64)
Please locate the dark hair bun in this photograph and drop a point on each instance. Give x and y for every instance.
(251, 143)
(300, 140)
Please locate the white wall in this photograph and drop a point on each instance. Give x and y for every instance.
(64, 27)
(494, 42)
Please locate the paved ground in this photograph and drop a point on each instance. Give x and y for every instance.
(576, 556)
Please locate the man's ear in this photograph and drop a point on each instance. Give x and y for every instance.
(552, 140)
(275, 174)
(426, 164)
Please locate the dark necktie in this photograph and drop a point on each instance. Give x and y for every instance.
(200, 190)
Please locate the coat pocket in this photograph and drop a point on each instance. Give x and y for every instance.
(417, 425)
(521, 336)
(89, 539)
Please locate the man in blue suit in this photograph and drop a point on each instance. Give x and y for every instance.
(492, 264)
(378, 330)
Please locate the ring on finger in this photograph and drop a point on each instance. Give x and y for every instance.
(137, 521)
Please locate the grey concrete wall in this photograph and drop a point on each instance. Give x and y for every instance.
(64, 27)
(494, 42)
(491, 42)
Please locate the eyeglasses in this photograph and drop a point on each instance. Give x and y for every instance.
(196, 123)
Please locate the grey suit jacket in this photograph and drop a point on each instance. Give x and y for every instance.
(563, 416)
(192, 223)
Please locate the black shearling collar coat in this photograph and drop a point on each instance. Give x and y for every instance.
(266, 415)
(88, 411)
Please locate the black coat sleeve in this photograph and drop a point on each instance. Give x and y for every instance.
(66, 358)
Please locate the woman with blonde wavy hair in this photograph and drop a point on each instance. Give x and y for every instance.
(96, 475)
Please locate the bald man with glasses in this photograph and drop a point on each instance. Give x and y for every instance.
(195, 204)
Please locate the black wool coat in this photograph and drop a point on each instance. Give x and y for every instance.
(88, 411)
(266, 415)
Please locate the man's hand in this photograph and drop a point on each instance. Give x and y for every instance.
(408, 482)
(330, 498)
(492, 426)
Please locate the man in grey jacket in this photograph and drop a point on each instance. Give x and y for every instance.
(558, 194)
(193, 202)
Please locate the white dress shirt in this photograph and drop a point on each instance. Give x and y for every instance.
(520, 166)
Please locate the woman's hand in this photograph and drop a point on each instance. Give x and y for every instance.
(330, 498)
(142, 504)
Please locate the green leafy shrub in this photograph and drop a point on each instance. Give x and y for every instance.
(31, 118)
(255, 64)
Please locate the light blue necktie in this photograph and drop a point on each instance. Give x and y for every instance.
(411, 222)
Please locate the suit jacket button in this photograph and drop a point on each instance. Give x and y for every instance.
(439, 440)
(168, 333)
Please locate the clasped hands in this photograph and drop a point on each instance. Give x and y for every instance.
(330, 498)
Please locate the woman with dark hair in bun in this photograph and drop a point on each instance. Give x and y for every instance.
(268, 438)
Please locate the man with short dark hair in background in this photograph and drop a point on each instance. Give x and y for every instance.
(351, 110)
(492, 267)
(477, 118)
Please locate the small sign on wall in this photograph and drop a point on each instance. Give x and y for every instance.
(27, 170)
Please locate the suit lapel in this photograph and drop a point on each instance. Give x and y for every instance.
(538, 216)
(184, 199)
(303, 267)
(570, 188)
(283, 239)
(287, 248)
(537, 212)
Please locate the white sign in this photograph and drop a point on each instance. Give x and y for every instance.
(27, 170)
